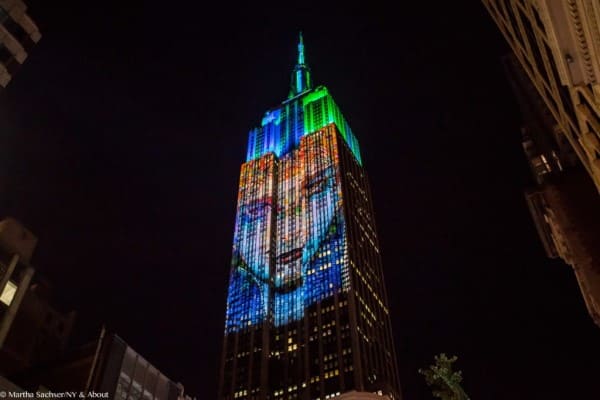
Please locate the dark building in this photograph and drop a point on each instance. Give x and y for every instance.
(562, 200)
(554, 72)
(307, 314)
(33, 338)
(107, 366)
(16, 248)
(18, 34)
(31, 328)
(40, 332)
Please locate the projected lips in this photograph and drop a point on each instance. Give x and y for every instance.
(289, 245)
(290, 256)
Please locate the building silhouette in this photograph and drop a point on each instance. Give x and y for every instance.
(18, 34)
(307, 314)
(554, 72)
(106, 366)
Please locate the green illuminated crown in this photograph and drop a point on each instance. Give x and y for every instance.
(305, 111)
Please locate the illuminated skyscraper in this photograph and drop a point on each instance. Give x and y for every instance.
(307, 314)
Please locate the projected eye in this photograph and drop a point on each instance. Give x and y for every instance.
(258, 209)
(316, 184)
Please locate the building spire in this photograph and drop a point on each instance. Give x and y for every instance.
(301, 80)
(301, 50)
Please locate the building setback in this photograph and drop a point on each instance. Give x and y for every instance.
(307, 314)
(18, 34)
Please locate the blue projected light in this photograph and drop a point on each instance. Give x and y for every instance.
(290, 247)
(283, 127)
(290, 239)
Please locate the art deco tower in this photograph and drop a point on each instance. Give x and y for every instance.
(307, 314)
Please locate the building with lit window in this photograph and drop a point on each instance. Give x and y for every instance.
(18, 34)
(39, 331)
(307, 314)
(557, 43)
(32, 330)
(16, 248)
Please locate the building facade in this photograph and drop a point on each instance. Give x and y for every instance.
(554, 74)
(18, 34)
(557, 44)
(562, 199)
(307, 314)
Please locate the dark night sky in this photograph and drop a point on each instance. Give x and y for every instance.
(122, 136)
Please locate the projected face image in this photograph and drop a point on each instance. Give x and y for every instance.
(248, 286)
(310, 233)
(254, 243)
(289, 234)
(290, 225)
(305, 208)
(320, 193)
(255, 219)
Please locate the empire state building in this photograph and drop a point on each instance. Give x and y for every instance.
(307, 313)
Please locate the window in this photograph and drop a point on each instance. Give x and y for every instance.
(8, 293)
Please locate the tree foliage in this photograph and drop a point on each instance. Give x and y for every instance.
(444, 382)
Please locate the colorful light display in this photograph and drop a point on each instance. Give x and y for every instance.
(290, 241)
(307, 315)
(283, 127)
(248, 299)
(290, 247)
